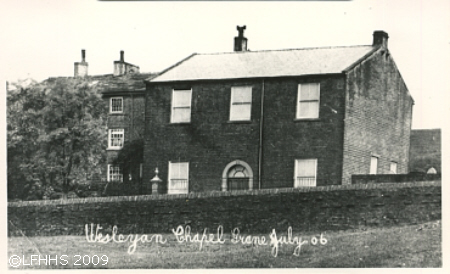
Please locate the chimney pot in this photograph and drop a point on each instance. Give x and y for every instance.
(122, 68)
(380, 38)
(240, 42)
(81, 68)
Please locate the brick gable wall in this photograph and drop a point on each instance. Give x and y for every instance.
(378, 117)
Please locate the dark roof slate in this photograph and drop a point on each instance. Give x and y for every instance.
(108, 83)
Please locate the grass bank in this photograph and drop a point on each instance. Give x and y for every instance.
(401, 246)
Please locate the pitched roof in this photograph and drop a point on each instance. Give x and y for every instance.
(269, 63)
(111, 82)
(122, 83)
(108, 84)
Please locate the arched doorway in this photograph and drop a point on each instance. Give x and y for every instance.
(237, 175)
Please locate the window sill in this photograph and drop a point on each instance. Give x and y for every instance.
(116, 113)
(307, 119)
(114, 148)
(180, 123)
(239, 121)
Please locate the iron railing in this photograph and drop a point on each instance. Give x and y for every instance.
(178, 186)
(305, 182)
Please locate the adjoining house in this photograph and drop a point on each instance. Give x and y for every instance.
(425, 151)
(123, 91)
(276, 118)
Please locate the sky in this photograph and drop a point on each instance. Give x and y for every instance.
(44, 38)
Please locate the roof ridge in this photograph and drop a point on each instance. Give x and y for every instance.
(289, 49)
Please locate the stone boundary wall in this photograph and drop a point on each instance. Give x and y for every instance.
(322, 208)
(394, 178)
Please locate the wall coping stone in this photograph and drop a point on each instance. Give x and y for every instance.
(194, 195)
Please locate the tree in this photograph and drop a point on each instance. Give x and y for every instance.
(56, 132)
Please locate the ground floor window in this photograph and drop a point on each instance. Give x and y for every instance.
(237, 175)
(305, 173)
(373, 165)
(114, 174)
(178, 178)
(393, 168)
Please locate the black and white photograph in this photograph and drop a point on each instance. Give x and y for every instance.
(234, 135)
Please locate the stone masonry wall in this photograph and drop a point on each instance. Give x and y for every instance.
(131, 120)
(394, 178)
(323, 208)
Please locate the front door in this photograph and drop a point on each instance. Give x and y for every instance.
(238, 178)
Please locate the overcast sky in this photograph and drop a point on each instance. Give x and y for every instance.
(42, 39)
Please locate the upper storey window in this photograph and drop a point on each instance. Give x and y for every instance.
(115, 138)
(116, 105)
(308, 101)
(181, 106)
(241, 104)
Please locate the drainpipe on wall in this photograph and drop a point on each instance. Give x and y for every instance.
(132, 114)
(261, 125)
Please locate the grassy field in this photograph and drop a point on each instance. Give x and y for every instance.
(401, 246)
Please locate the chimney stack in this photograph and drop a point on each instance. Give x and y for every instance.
(380, 38)
(240, 42)
(81, 68)
(121, 67)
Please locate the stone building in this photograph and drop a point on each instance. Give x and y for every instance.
(425, 152)
(123, 92)
(277, 118)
